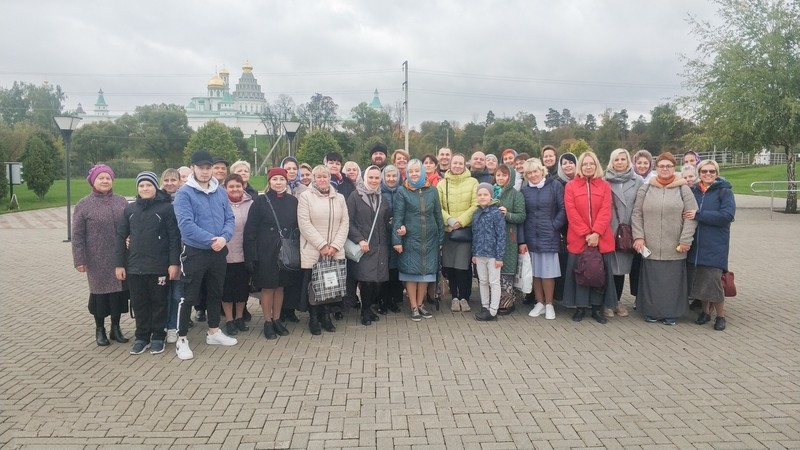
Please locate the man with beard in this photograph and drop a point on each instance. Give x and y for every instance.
(377, 155)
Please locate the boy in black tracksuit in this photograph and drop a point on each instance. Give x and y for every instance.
(148, 252)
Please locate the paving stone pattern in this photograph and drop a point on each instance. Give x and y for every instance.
(448, 382)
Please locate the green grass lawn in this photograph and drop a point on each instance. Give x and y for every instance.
(740, 178)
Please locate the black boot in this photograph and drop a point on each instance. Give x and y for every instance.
(365, 318)
(269, 331)
(597, 314)
(241, 325)
(230, 328)
(703, 318)
(325, 321)
(280, 328)
(579, 314)
(313, 323)
(289, 315)
(382, 309)
(101, 338)
(116, 334)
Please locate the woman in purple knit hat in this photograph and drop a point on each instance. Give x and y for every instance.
(94, 226)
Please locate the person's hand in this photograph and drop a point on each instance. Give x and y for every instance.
(174, 272)
(120, 272)
(638, 245)
(503, 210)
(398, 248)
(689, 214)
(218, 243)
(593, 240)
(682, 248)
(456, 225)
(81, 268)
(401, 231)
(364, 246)
(498, 264)
(474, 260)
(523, 249)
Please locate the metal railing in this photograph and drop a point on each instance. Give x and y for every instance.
(772, 191)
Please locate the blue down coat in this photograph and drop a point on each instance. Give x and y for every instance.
(544, 217)
(712, 237)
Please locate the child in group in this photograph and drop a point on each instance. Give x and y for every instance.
(147, 253)
(488, 250)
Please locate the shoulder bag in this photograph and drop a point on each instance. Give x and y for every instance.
(589, 270)
(728, 285)
(623, 237)
(463, 234)
(289, 250)
(352, 251)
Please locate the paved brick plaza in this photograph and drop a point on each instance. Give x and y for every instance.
(446, 382)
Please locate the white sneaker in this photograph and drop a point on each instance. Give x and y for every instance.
(455, 305)
(537, 310)
(465, 305)
(182, 349)
(550, 312)
(219, 338)
(172, 336)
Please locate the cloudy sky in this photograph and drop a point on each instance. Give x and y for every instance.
(465, 57)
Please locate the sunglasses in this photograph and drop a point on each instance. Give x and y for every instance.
(705, 171)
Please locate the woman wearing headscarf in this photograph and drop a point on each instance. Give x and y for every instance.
(417, 235)
(708, 257)
(324, 225)
(305, 179)
(624, 186)
(642, 162)
(663, 234)
(353, 172)
(491, 164)
(512, 206)
(272, 215)
(391, 296)
(567, 168)
(691, 158)
(94, 227)
(369, 228)
(242, 168)
(459, 200)
(292, 168)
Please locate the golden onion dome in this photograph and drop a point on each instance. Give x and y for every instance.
(224, 71)
(247, 67)
(216, 81)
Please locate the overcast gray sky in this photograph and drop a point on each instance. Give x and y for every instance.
(465, 57)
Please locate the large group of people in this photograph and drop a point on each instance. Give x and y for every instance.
(202, 237)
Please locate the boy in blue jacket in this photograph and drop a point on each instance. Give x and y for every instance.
(488, 250)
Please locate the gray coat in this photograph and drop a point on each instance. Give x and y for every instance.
(657, 218)
(374, 265)
(624, 187)
(94, 231)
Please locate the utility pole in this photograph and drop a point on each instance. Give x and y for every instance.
(255, 150)
(405, 103)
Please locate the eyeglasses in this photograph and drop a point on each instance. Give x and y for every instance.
(665, 166)
(706, 171)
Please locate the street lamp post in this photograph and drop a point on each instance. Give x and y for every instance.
(291, 128)
(67, 124)
(255, 151)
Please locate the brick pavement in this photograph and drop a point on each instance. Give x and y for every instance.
(446, 382)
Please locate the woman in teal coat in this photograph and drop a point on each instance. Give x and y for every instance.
(417, 235)
(512, 206)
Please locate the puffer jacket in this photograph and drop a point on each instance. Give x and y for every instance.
(488, 232)
(323, 220)
(712, 238)
(544, 217)
(514, 203)
(577, 204)
(155, 242)
(203, 213)
(458, 198)
(236, 244)
(658, 218)
(420, 211)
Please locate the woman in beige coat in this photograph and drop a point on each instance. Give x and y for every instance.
(324, 225)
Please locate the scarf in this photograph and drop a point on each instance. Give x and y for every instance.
(613, 176)
(420, 183)
(667, 182)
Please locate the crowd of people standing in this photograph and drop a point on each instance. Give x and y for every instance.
(202, 237)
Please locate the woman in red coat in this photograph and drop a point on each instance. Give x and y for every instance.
(587, 200)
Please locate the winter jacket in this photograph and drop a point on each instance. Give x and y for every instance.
(624, 187)
(712, 238)
(514, 203)
(322, 219)
(203, 213)
(343, 185)
(420, 211)
(488, 232)
(458, 198)
(94, 228)
(483, 176)
(658, 218)
(235, 245)
(544, 217)
(577, 202)
(262, 238)
(389, 196)
(155, 242)
(374, 265)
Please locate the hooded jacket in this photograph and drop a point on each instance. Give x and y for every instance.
(514, 203)
(203, 213)
(488, 232)
(712, 238)
(154, 241)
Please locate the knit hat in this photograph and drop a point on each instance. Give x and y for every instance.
(486, 186)
(668, 157)
(96, 170)
(333, 156)
(277, 171)
(378, 148)
(147, 176)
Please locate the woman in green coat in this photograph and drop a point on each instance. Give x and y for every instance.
(512, 205)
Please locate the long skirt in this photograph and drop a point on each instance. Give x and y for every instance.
(581, 296)
(112, 304)
(457, 255)
(663, 289)
(705, 283)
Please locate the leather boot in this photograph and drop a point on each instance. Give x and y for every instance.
(597, 314)
(269, 331)
(313, 323)
(101, 338)
(289, 315)
(325, 321)
(116, 334)
(365, 317)
(280, 328)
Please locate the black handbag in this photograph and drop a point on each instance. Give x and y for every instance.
(623, 237)
(463, 234)
(289, 250)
